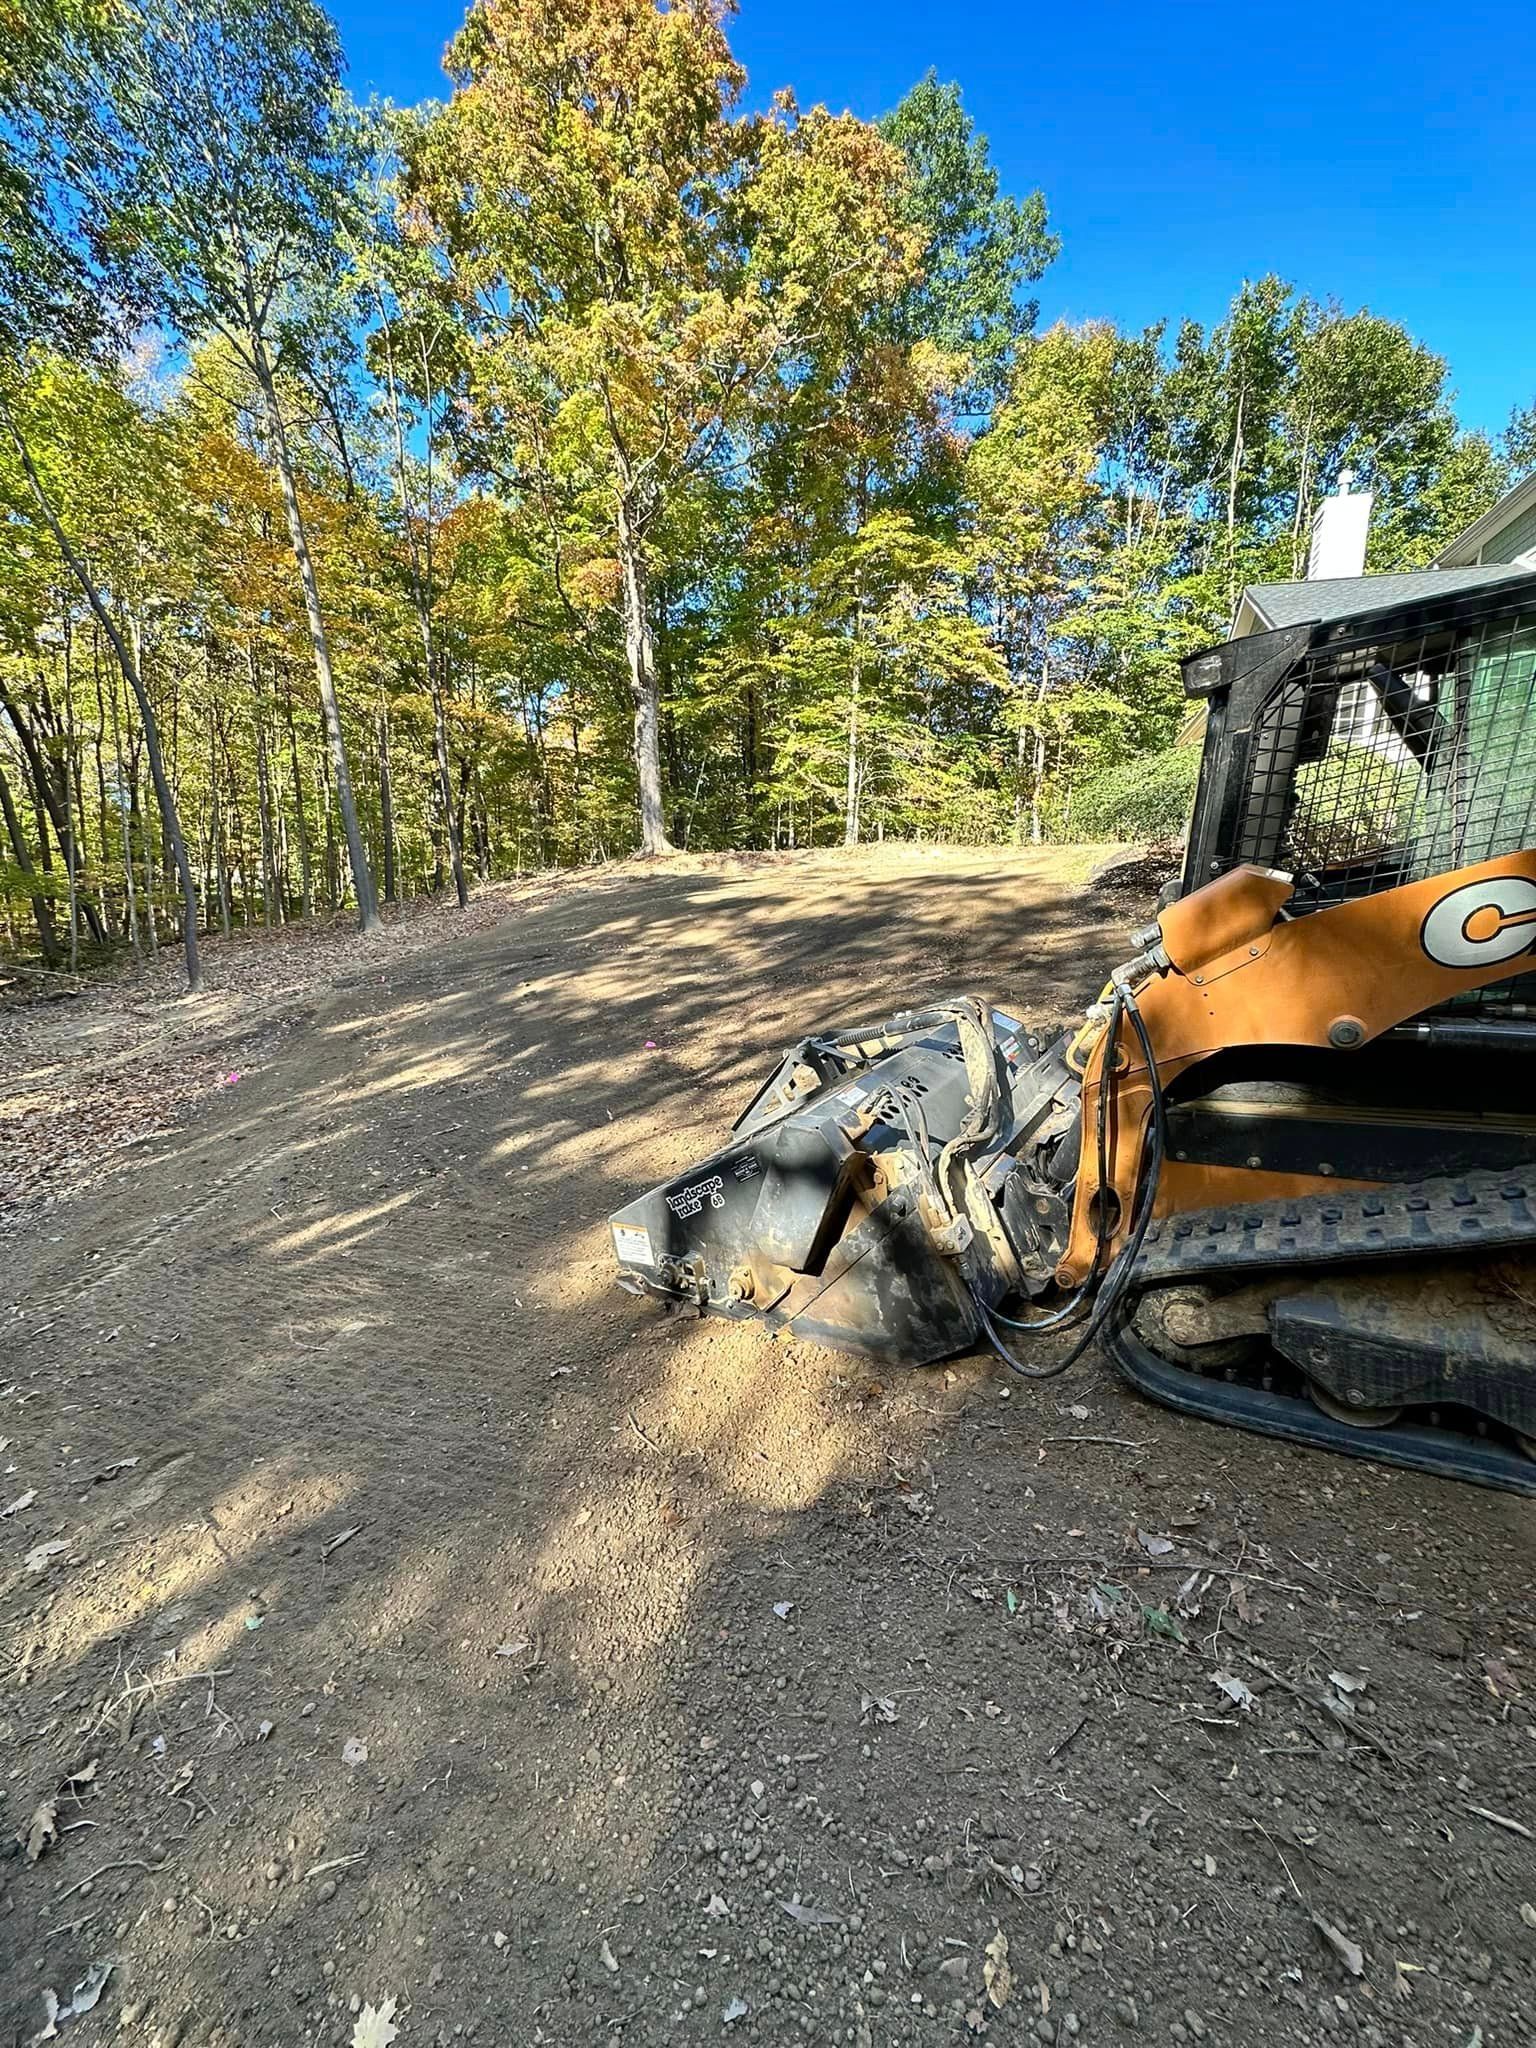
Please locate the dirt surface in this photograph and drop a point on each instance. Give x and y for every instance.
(430, 1622)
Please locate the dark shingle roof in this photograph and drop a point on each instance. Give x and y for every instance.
(1341, 597)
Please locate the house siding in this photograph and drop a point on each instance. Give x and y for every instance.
(1514, 540)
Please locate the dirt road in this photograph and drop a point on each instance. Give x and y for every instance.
(432, 1622)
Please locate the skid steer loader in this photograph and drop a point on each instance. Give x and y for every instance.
(1284, 1170)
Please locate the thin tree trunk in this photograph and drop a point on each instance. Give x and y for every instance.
(134, 680)
(108, 916)
(851, 793)
(134, 938)
(387, 810)
(640, 654)
(306, 881)
(42, 909)
(47, 797)
(422, 590)
(362, 877)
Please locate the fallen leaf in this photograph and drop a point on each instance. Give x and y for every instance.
(1154, 1546)
(83, 1776)
(783, 1609)
(1528, 1914)
(42, 1828)
(263, 1730)
(1078, 1412)
(996, 1971)
(111, 1471)
(1346, 1682)
(1240, 1599)
(1401, 1974)
(1499, 1679)
(1241, 1695)
(83, 1999)
(336, 1542)
(375, 2026)
(354, 1752)
(22, 1500)
(1348, 1952)
(608, 1959)
(38, 1558)
(512, 1649)
(736, 2010)
(717, 1909)
(1162, 1623)
(809, 1916)
(882, 1707)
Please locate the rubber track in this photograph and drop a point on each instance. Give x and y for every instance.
(1467, 1213)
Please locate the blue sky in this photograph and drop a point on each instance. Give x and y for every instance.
(1379, 155)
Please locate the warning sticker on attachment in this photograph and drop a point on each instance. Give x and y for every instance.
(632, 1245)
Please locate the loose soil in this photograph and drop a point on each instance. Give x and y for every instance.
(428, 1621)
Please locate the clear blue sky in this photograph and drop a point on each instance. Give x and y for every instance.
(1382, 155)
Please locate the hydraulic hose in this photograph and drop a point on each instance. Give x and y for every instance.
(1113, 1288)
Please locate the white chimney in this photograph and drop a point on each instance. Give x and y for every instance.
(1338, 532)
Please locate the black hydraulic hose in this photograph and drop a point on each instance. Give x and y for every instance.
(1071, 1308)
(1115, 1280)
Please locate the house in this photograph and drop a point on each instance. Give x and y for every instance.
(1497, 548)
(1505, 533)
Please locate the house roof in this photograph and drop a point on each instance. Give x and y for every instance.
(1467, 546)
(1264, 606)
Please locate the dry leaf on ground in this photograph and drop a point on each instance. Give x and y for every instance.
(42, 1828)
(996, 1971)
(1349, 1953)
(375, 2026)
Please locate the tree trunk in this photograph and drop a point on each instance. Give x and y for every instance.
(851, 795)
(422, 587)
(42, 909)
(48, 800)
(306, 882)
(387, 809)
(362, 876)
(135, 682)
(640, 653)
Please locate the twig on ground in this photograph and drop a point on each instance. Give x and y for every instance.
(1322, 1706)
(650, 1443)
(128, 1863)
(1122, 1443)
(335, 1863)
(1071, 1736)
(1502, 1820)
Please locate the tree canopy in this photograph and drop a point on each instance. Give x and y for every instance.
(603, 458)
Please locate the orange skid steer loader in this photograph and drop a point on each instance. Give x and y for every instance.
(1285, 1169)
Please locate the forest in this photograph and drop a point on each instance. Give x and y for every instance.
(599, 459)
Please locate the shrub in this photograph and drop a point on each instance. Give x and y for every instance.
(1148, 797)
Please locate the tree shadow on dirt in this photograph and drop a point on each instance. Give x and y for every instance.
(593, 1588)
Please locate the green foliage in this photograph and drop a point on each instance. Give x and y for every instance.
(669, 471)
(982, 247)
(1146, 798)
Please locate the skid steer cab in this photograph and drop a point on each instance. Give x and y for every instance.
(1284, 1170)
